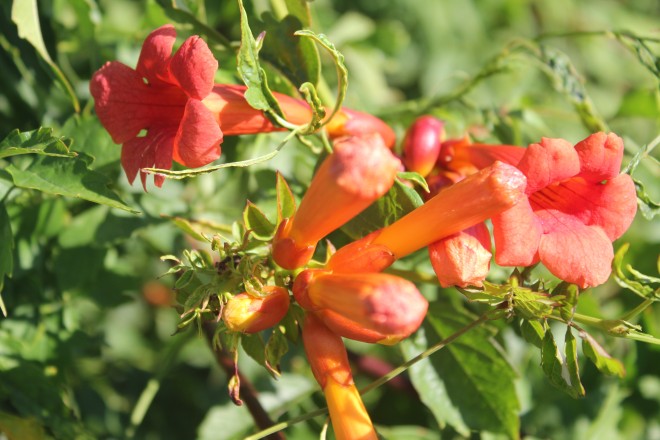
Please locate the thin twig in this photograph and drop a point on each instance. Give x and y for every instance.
(247, 391)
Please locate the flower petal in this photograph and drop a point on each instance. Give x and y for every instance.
(574, 252)
(155, 55)
(462, 259)
(600, 156)
(517, 233)
(194, 67)
(116, 88)
(549, 161)
(152, 150)
(198, 139)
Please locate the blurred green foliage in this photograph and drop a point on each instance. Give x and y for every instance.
(86, 343)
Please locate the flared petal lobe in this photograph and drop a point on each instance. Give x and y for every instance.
(193, 66)
(154, 61)
(198, 139)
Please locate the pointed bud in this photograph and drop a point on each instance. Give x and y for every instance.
(248, 314)
(329, 361)
(360, 170)
(368, 307)
(421, 146)
(361, 256)
(462, 259)
(464, 204)
(353, 123)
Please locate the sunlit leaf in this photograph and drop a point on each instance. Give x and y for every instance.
(640, 284)
(68, 177)
(257, 222)
(605, 363)
(533, 331)
(39, 141)
(485, 397)
(556, 366)
(286, 203)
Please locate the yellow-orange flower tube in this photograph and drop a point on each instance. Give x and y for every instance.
(249, 314)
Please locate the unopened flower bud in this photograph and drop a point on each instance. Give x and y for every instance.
(368, 307)
(248, 314)
(361, 256)
(421, 146)
(360, 170)
(353, 123)
(462, 259)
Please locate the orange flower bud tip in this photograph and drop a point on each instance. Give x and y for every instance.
(247, 314)
(361, 256)
(287, 252)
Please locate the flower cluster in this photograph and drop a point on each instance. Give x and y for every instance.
(552, 202)
(576, 203)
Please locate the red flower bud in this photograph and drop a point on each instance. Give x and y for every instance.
(245, 313)
(421, 145)
(368, 307)
(353, 123)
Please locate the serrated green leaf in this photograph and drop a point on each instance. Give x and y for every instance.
(555, 366)
(39, 141)
(640, 285)
(286, 203)
(258, 95)
(257, 222)
(342, 71)
(68, 177)
(25, 15)
(485, 397)
(399, 201)
(533, 332)
(572, 362)
(605, 363)
(430, 385)
(276, 347)
(6, 252)
(297, 58)
(254, 346)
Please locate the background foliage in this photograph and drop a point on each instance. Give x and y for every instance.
(87, 341)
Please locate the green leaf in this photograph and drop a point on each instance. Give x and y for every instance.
(640, 284)
(68, 177)
(276, 347)
(254, 346)
(39, 141)
(286, 203)
(6, 252)
(189, 229)
(297, 58)
(485, 397)
(338, 58)
(25, 15)
(572, 362)
(533, 332)
(605, 363)
(257, 222)
(555, 367)
(399, 201)
(649, 208)
(430, 385)
(300, 10)
(415, 178)
(94, 140)
(258, 95)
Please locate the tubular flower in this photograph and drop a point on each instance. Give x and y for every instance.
(360, 170)
(463, 157)
(353, 123)
(329, 361)
(576, 204)
(463, 258)
(421, 146)
(367, 307)
(168, 108)
(248, 314)
(464, 204)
